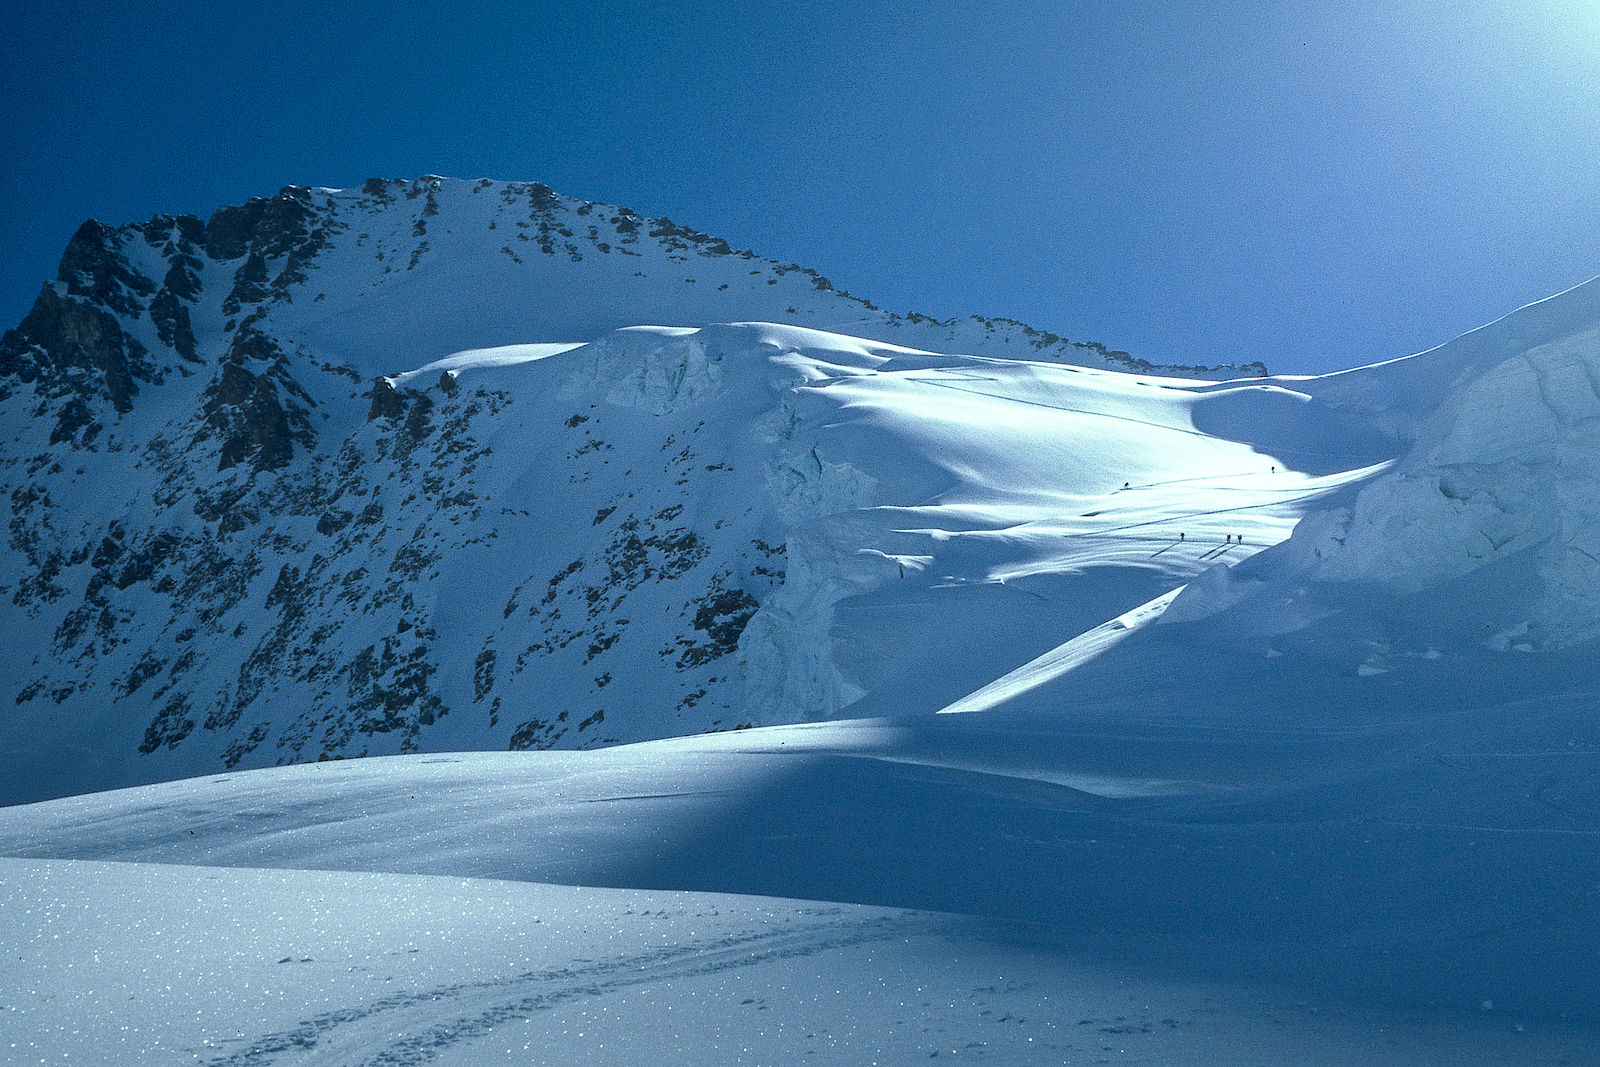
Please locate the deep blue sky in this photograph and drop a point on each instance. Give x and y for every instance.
(1315, 185)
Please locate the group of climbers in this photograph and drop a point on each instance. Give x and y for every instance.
(1232, 539)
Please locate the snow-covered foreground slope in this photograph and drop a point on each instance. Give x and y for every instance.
(1162, 894)
(235, 967)
(1437, 860)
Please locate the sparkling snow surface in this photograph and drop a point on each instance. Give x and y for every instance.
(1122, 917)
(120, 963)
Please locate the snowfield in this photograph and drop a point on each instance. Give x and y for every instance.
(261, 966)
(476, 675)
(1080, 897)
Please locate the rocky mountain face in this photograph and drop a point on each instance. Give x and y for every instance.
(243, 531)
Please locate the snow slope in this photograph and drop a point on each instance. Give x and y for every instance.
(1503, 467)
(1155, 894)
(280, 966)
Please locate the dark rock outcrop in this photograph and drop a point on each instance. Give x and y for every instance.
(182, 279)
(245, 409)
(93, 268)
(63, 335)
(249, 284)
(271, 227)
(386, 402)
(173, 326)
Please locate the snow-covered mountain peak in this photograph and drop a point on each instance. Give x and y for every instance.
(408, 265)
(445, 464)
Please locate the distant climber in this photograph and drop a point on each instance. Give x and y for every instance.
(1180, 535)
(1124, 485)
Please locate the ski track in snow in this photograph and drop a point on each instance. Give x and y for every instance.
(438, 1018)
(389, 969)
